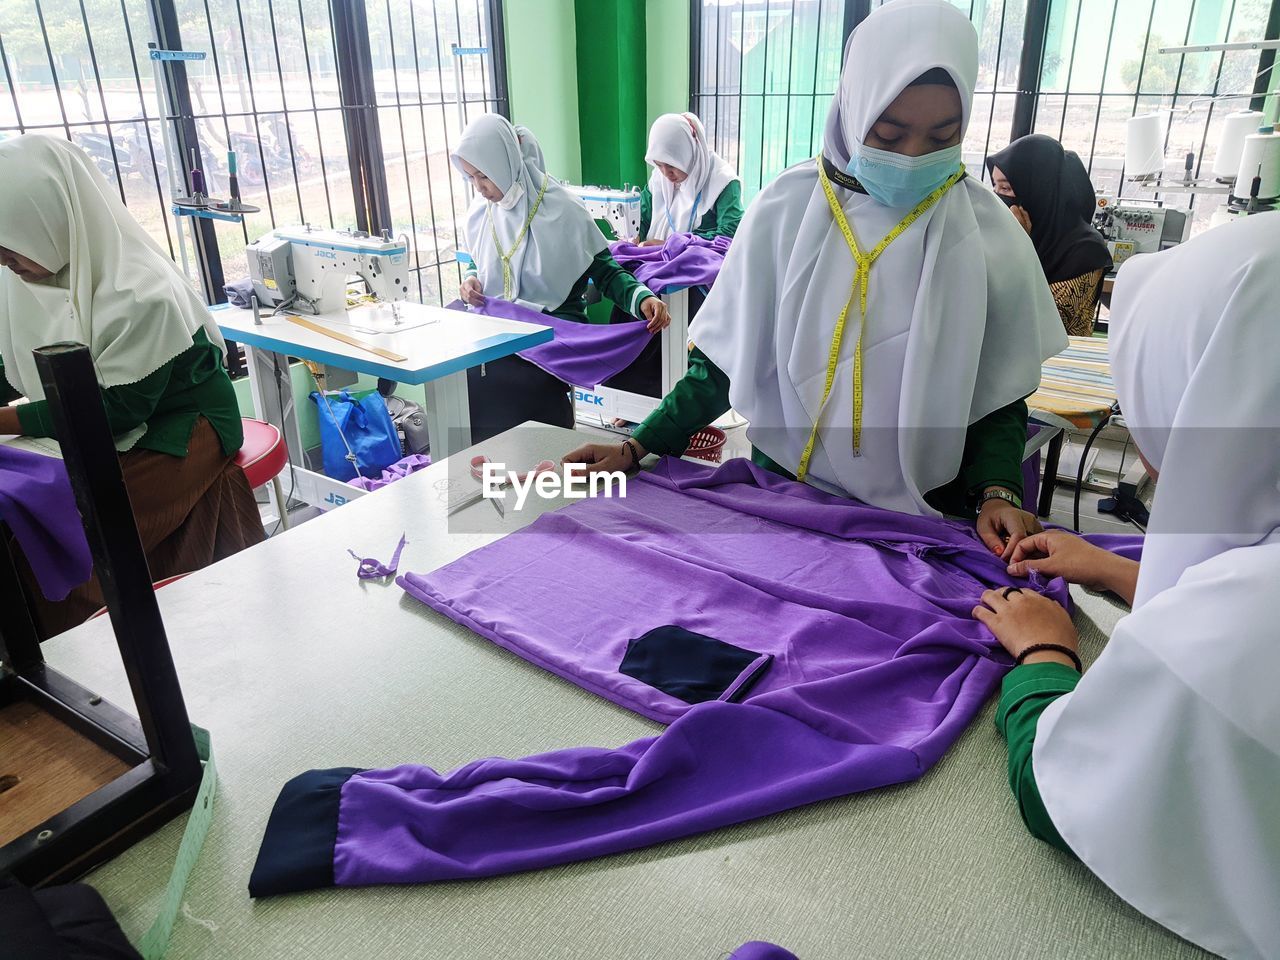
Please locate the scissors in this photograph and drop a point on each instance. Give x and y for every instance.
(499, 504)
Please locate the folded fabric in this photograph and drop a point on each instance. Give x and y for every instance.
(877, 668)
(684, 260)
(581, 354)
(239, 293)
(397, 471)
(37, 504)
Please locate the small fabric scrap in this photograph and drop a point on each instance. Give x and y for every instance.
(397, 471)
(581, 354)
(684, 260)
(372, 569)
(759, 950)
(38, 505)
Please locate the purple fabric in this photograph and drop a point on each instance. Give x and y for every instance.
(826, 585)
(759, 950)
(581, 354)
(684, 260)
(37, 503)
(372, 569)
(397, 471)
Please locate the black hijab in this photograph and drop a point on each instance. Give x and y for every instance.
(1053, 186)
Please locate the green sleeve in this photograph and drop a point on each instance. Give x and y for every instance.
(128, 406)
(1027, 691)
(646, 212)
(992, 457)
(616, 284)
(7, 393)
(700, 397)
(722, 220)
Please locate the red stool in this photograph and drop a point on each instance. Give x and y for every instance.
(263, 458)
(155, 586)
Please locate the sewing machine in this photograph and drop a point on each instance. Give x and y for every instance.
(618, 208)
(298, 268)
(1131, 227)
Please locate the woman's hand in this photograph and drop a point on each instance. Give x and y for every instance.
(1002, 526)
(1024, 619)
(1020, 214)
(9, 423)
(655, 311)
(472, 292)
(652, 243)
(605, 457)
(1056, 553)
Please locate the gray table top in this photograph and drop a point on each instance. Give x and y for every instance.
(294, 664)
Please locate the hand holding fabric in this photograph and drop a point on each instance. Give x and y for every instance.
(1021, 619)
(655, 311)
(1002, 526)
(472, 291)
(1056, 553)
(605, 457)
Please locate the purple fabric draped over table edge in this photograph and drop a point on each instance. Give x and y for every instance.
(37, 503)
(581, 354)
(397, 471)
(759, 950)
(683, 260)
(718, 763)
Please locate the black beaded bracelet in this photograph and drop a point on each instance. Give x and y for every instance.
(1057, 648)
(631, 447)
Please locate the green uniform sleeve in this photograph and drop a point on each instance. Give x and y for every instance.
(992, 457)
(646, 212)
(616, 284)
(128, 406)
(700, 397)
(7, 393)
(1027, 691)
(722, 220)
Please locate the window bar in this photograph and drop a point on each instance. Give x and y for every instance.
(315, 113)
(1208, 120)
(146, 127)
(444, 124)
(462, 67)
(426, 160)
(1030, 64)
(222, 96)
(791, 55)
(498, 44)
(253, 106)
(53, 71)
(855, 11)
(715, 103)
(13, 87)
(404, 149)
(493, 55)
(764, 102)
(284, 102)
(995, 86)
(102, 99)
(1137, 87)
(742, 80)
(1266, 63)
(1106, 63)
(1071, 66)
(695, 54)
(813, 89)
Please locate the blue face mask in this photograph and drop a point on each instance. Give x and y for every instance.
(896, 180)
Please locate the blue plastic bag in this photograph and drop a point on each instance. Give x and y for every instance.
(361, 427)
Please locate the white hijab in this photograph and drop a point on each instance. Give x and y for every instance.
(959, 317)
(678, 139)
(114, 289)
(1161, 769)
(530, 148)
(562, 239)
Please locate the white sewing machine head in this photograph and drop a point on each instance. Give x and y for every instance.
(299, 265)
(619, 208)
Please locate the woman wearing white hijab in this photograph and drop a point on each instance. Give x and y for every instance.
(532, 242)
(78, 267)
(1160, 767)
(530, 148)
(692, 189)
(897, 374)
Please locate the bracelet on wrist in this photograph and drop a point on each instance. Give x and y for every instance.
(1056, 648)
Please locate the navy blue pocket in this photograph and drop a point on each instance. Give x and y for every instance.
(692, 667)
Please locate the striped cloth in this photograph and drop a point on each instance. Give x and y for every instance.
(1076, 384)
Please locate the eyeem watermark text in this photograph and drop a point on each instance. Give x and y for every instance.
(571, 483)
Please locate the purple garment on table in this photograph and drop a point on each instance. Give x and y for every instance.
(397, 471)
(37, 503)
(684, 260)
(877, 668)
(759, 950)
(581, 354)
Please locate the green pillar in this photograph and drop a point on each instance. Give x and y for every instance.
(611, 90)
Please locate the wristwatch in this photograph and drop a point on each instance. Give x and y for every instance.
(998, 494)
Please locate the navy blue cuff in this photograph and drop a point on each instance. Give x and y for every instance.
(297, 849)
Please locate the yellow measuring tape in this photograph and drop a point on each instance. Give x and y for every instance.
(506, 257)
(861, 280)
